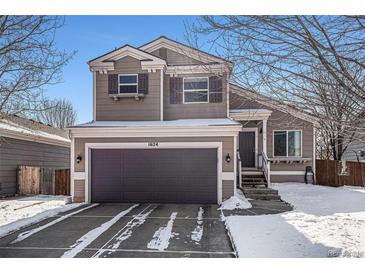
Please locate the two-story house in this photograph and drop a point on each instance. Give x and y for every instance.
(169, 127)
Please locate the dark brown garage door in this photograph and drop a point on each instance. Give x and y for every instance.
(154, 175)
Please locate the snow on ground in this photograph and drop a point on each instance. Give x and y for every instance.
(325, 222)
(125, 233)
(22, 236)
(89, 237)
(162, 236)
(20, 212)
(197, 233)
(238, 201)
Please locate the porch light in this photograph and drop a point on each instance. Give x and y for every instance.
(78, 158)
(228, 158)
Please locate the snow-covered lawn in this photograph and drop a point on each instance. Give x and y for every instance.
(325, 222)
(21, 212)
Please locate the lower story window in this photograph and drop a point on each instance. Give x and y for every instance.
(288, 143)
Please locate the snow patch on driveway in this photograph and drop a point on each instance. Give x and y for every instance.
(16, 214)
(89, 237)
(125, 233)
(197, 234)
(163, 235)
(239, 201)
(22, 236)
(326, 222)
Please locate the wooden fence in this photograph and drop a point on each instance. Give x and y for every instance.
(328, 173)
(48, 181)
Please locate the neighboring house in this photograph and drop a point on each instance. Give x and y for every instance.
(356, 150)
(26, 142)
(167, 125)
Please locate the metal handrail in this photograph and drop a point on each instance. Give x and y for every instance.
(266, 167)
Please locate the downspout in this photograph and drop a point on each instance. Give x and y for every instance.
(161, 94)
(94, 95)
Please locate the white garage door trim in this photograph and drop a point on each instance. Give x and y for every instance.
(152, 145)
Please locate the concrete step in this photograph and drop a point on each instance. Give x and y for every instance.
(245, 179)
(259, 190)
(263, 197)
(260, 193)
(254, 183)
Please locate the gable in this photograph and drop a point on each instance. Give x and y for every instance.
(243, 99)
(182, 49)
(175, 58)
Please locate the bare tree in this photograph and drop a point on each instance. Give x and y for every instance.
(57, 113)
(29, 60)
(315, 63)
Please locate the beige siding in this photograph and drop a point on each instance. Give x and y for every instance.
(127, 109)
(227, 189)
(79, 190)
(287, 178)
(196, 110)
(174, 58)
(278, 121)
(227, 146)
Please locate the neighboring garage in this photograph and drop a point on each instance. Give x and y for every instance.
(154, 175)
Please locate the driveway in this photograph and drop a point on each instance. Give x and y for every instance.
(125, 230)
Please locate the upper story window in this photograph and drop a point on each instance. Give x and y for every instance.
(128, 83)
(196, 90)
(288, 143)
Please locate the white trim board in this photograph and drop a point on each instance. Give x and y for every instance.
(146, 145)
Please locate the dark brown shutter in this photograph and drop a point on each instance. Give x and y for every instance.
(215, 89)
(143, 83)
(176, 90)
(113, 83)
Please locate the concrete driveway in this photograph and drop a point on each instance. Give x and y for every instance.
(125, 230)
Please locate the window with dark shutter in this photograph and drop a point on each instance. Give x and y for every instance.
(113, 84)
(215, 89)
(176, 90)
(143, 83)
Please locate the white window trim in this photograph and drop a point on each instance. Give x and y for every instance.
(287, 130)
(128, 84)
(196, 90)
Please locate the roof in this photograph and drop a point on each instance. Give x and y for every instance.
(163, 38)
(145, 50)
(106, 56)
(171, 123)
(26, 129)
(272, 103)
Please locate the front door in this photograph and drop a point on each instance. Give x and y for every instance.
(247, 148)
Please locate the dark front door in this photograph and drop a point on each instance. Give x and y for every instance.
(154, 175)
(247, 148)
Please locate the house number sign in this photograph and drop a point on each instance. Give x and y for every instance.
(153, 144)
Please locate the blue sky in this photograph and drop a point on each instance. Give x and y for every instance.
(92, 36)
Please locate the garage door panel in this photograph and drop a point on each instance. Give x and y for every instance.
(155, 175)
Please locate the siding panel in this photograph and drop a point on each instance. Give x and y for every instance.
(128, 109)
(15, 152)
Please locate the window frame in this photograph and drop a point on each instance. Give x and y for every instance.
(199, 77)
(287, 151)
(128, 84)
